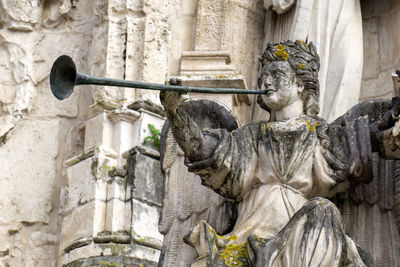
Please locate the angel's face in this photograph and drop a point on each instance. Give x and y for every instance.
(279, 80)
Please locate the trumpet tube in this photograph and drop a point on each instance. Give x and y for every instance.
(64, 77)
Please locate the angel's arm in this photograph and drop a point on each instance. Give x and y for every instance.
(224, 160)
(195, 144)
(355, 136)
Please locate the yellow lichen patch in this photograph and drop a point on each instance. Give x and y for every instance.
(233, 238)
(302, 66)
(233, 254)
(217, 236)
(312, 126)
(303, 43)
(266, 126)
(108, 264)
(281, 52)
(215, 233)
(280, 47)
(260, 241)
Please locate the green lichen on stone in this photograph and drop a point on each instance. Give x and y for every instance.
(117, 172)
(102, 171)
(117, 249)
(108, 264)
(110, 261)
(93, 168)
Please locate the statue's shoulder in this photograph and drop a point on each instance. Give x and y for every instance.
(254, 126)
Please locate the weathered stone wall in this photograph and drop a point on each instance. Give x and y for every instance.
(33, 125)
(381, 47)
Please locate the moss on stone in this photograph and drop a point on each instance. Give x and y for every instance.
(93, 168)
(110, 261)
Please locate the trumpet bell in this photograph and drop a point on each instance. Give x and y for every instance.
(63, 77)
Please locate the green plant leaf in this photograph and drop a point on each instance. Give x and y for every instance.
(154, 138)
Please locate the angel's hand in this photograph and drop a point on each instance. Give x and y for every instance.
(172, 100)
(359, 144)
(391, 116)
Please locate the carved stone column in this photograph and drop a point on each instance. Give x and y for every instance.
(136, 48)
(111, 214)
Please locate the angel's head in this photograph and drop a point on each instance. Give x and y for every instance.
(289, 71)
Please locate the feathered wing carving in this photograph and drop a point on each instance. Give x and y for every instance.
(371, 211)
(186, 202)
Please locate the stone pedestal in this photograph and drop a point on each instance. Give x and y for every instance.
(111, 202)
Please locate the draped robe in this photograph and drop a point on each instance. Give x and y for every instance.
(278, 173)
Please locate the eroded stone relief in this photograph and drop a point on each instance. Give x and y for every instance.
(278, 174)
(44, 141)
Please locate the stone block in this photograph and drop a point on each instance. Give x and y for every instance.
(134, 47)
(145, 220)
(123, 134)
(100, 207)
(145, 253)
(372, 8)
(210, 24)
(206, 62)
(389, 49)
(98, 132)
(145, 174)
(117, 205)
(117, 5)
(78, 224)
(135, 5)
(380, 87)
(27, 179)
(88, 251)
(21, 15)
(81, 183)
(371, 49)
(73, 44)
(115, 218)
(156, 39)
(117, 189)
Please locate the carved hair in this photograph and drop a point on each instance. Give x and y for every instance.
(304, 60)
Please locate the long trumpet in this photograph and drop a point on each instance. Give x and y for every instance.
(64, 77)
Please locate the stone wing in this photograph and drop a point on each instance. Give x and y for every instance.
(371, 212)
(371, 206)
(186, 202)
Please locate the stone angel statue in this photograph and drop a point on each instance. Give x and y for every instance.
(276, 192)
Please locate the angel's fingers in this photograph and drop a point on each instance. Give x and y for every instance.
(355, 169)
(363, 140)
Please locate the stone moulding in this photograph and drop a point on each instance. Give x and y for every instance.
(81, 242)
(119, 237)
